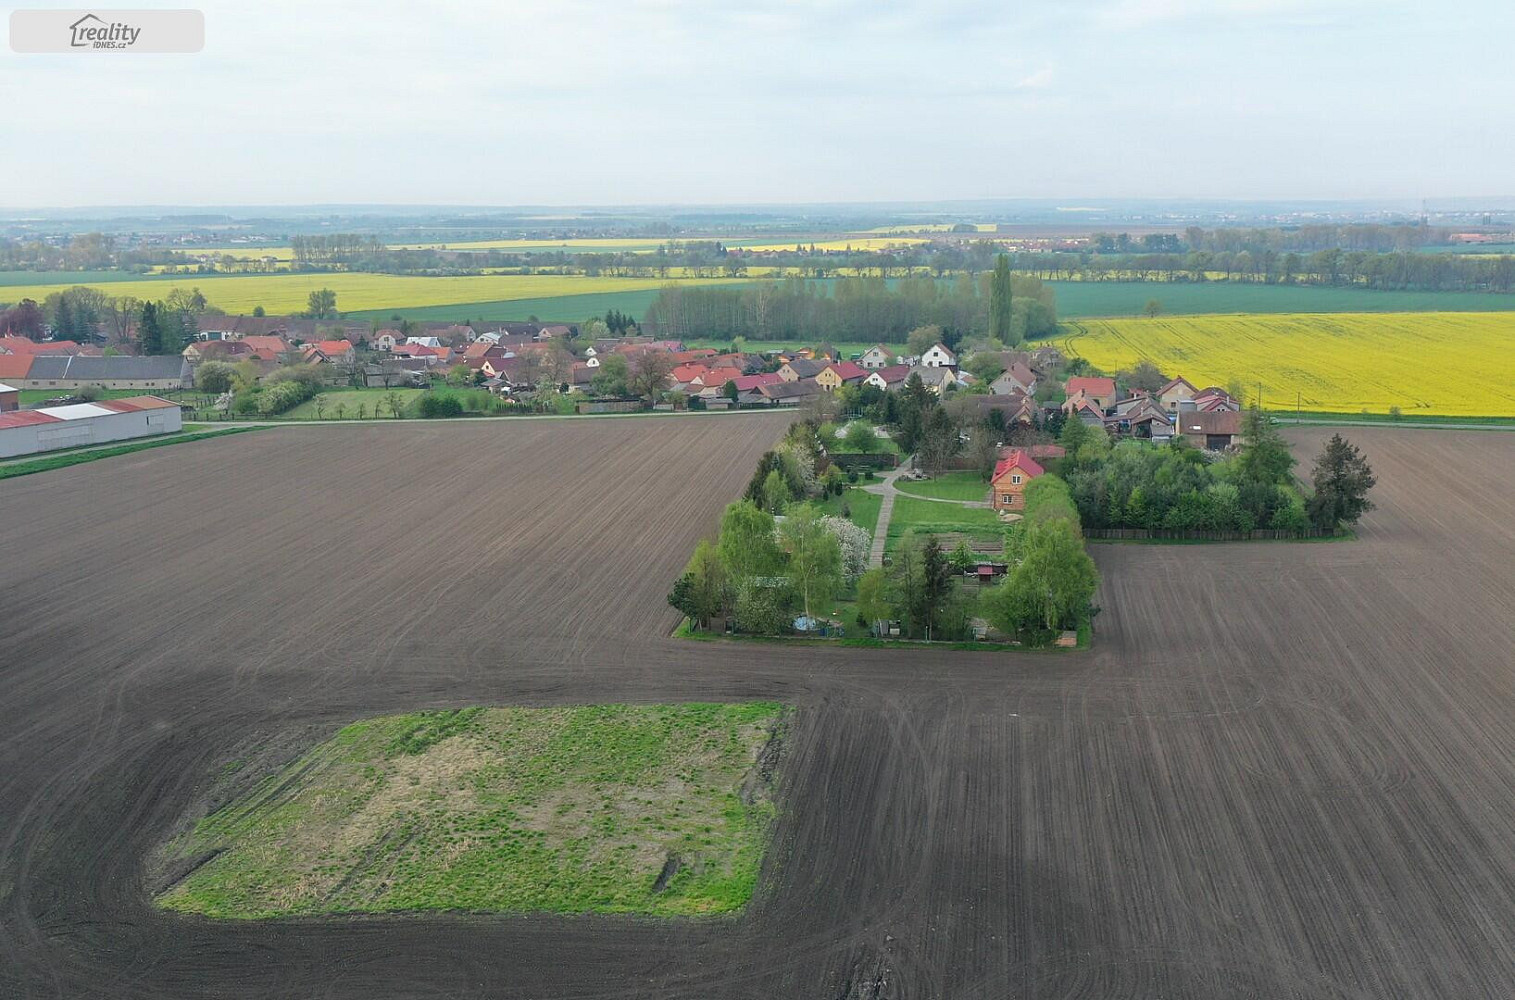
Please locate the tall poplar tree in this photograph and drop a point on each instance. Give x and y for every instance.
(1000, 325)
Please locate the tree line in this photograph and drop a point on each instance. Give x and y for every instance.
(857, 309)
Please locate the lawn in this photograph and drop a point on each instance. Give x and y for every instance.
(930, 517)
(864, 506)
(651, 809)
(1453, 364)
(948, 486)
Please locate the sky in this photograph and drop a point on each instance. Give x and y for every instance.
(623, 102)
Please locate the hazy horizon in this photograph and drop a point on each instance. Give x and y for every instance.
(673, 103)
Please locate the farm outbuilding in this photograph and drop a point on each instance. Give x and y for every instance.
(27, 432)
(10, 398)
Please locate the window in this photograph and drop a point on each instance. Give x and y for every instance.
(1008, 499)
(1015, 479)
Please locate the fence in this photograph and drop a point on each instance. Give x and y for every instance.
(1203, 535)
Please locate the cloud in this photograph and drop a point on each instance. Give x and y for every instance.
(1040, 80)
(1141, 13)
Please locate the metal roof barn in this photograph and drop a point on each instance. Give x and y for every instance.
(29, 432)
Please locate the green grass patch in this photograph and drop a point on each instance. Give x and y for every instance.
(373, 401)
(61, 460)
(651, 809)
(979, 524)
(864, 507)
(947, 486)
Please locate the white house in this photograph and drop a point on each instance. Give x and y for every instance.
(939, 357)
(424, 341)
(877, 356)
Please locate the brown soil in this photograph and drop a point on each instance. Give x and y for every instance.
(1283, 771)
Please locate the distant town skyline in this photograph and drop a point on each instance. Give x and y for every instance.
(675, 102)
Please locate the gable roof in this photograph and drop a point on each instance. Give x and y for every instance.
(882, 349)
(24, 345)
(330, 347)
(1210, 422)
(893, 373)
(1174, 383)
(1093, 385)
(805, 368)
(1016, 458)
(15, 365)
(81, 367)
(746, 383)
(788, 390)
(848, 370)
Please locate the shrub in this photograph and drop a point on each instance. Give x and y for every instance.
(441, 404)
(284, 395)
(763, 610)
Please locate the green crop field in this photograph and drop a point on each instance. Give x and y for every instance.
(653, 809)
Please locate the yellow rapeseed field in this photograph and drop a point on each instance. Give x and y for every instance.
(1452, 364)
(284, 293)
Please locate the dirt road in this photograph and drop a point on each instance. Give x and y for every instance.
(1283, 771)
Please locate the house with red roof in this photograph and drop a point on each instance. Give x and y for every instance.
(840, 373)
(888, 378)
(336, 352)
(1011, 475)
(1097, 389)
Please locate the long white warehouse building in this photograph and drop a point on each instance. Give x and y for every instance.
(27, 432)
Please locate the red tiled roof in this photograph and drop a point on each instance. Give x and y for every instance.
(849, 370)
(25, 418)
(1093, 385)
(1046, 451)
(717, 377)
(24, 345)
(330, 347)
(893, 373)
(259, 343)
(746, 383)
(15, 365)
(1016, 458)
